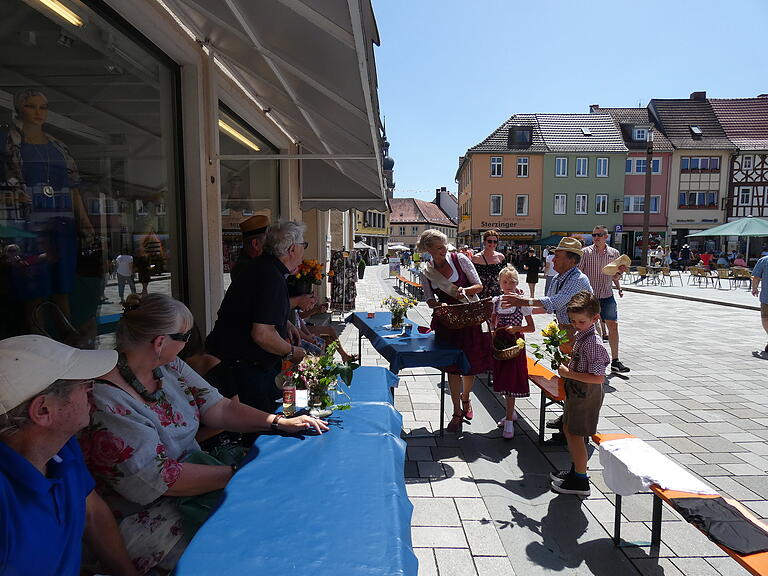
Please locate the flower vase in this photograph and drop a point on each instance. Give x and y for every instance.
(397, 320)
(317, 395)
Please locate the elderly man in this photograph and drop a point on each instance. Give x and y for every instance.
(760, 274)
(47, 502)
(594, 259)
(254, 231)
(568, 282)
(251, 332)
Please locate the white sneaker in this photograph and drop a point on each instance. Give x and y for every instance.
(509, 429)
(501, 422)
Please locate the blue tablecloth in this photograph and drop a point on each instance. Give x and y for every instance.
(416, 350)
(330, 505)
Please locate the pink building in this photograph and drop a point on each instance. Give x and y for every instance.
(634, 124)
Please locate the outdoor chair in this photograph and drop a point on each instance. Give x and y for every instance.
(740, 274)
(693, 277)
(642, 274)
(723, 274)
(668, 274)
(631, 275)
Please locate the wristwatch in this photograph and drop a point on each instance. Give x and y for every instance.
(289, 356)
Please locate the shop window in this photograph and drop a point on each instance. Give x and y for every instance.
(249, 187)
(89, 139)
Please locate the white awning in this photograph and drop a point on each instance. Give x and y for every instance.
(310, 64)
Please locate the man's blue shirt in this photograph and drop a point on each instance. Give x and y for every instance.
(761, 271)
(42, 518)
(561, 290)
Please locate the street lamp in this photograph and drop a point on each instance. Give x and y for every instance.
(647, 202)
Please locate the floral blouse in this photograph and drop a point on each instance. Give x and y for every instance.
(135, 450)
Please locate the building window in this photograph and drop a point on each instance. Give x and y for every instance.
(636, 204)
(700, 164)
(414, 230)
(561, 167)
(497, 170)
(141, 208)
(402, 230)
(745, 196)
(640, 165)
(496, 204)
(656, 165)
(160, 208)
(581, 203)
(746, 162)
(640, 134)
(94, 205)
(582, 167)
(601, 204)
(521, 207)
(522, 167)
(560, 204)
(602, 168)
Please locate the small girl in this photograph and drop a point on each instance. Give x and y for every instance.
(510, 377)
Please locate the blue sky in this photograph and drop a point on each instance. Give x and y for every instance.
(450, 72)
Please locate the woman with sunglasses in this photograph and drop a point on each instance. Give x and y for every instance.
(488, 263)
(147, 411)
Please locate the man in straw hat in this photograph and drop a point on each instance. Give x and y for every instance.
(569, 281)
(254, 231)
(597, 259)
(47, 503)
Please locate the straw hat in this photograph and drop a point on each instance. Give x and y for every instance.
(254, 225)
(613, 268)
(570, 245)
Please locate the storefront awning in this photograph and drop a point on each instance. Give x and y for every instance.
(311, 66)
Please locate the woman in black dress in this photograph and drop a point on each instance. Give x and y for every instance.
(488, 264)
(532, 265)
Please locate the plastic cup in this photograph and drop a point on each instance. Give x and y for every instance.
(407, 329)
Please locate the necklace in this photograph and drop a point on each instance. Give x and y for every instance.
(128, 375)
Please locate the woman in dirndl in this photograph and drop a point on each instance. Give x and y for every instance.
(449, 279)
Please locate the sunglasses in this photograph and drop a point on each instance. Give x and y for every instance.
(489, 241)
(600, 235)
(181, 336)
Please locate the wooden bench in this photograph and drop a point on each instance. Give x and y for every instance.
(413, 288)
(552, 390)
(755, 563)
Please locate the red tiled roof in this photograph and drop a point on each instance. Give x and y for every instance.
(676, 116)
(745, 121)
(406, 210)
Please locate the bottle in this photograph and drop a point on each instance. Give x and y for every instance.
(289, 391)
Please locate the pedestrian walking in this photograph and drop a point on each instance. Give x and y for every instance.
(760, 275)
(124, 271)
(532, 265)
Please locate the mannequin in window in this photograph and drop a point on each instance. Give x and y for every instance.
(46, 182)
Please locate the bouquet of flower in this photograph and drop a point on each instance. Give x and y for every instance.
(554, 337)
(310, 272)
(320, 375)
(399, 307)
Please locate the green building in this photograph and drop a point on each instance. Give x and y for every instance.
(583, 182)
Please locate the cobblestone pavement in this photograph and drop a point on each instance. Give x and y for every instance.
(482, 504)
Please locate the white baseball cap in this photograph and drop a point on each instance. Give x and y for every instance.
(31, 363)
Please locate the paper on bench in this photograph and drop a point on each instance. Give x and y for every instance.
(630, 465)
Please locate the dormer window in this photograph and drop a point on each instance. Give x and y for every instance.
(586, 132)
(696, 132)
(640, 134)
(519, 136)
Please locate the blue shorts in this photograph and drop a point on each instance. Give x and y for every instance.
(608, 309)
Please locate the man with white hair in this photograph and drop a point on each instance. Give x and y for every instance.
(48, 506)
(251, 332)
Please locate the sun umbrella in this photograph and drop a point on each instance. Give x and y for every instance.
(748, 227)
(10, 232)
(548, 241)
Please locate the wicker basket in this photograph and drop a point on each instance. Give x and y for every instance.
(455, 316)
(505, 353)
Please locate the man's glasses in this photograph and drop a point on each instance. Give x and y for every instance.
(181, 336)
(305, 245)
(491, 241)
(598, 235)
